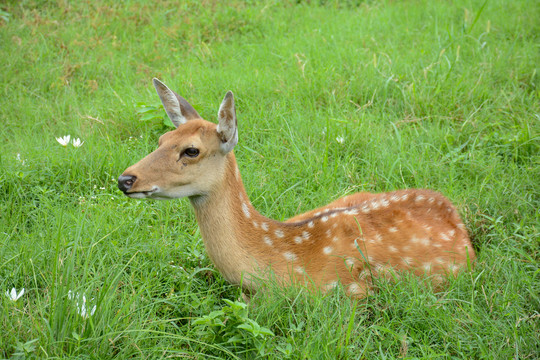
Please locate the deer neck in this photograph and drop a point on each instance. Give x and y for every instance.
(229, 225)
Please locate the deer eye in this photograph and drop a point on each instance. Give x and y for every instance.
(191, 152)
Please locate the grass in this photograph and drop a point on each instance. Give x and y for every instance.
(441, 95)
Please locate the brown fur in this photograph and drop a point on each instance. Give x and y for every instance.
(351, 240)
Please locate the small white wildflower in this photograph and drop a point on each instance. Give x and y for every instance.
(19, 159)
(81, 307)
(83, 311)
(13, 295)
(340, 139)
(77, 142)
(64, 141)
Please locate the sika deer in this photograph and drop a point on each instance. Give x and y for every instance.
(350, 240)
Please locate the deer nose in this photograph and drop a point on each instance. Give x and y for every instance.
(125, 182)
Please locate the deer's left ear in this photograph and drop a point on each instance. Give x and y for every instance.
(227, 128)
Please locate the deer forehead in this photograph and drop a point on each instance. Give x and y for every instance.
(194, 133)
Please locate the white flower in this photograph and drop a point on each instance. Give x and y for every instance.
(83, 311)
(77, 142)
(13, 296)
(64, 141)
(340, 139)
(20, 159)
(81, 307)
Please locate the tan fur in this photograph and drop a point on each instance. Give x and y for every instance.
(351, 240)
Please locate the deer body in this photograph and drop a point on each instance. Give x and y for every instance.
(350, 241)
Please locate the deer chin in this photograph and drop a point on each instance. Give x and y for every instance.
(142, 194)
(158, 193)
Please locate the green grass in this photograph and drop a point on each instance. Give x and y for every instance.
(441, 95)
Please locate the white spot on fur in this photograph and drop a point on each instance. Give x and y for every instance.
(349, 262)
(419, 198)
(290, 256)
(407, 260)
(444, 237)
(423, 241)
(298, 239)
(330, 285)
(394, 198)
(378, 237)
(392, 248)
(363, 274)
(393, 229)
(365, 209)
(453, 267)
(324, 219)
(264, 226)
(404, 197)
(328, 233)
(255, 225)
(351, 212)
(306, 235)
(426, 267)
(451, 233)
(268, 241)
(335, 239)
(375, 205)
(427, 227)
(311, 224)
(385, 203)
(279, 233)
(327, 250)
(300, 269)
(317, 213)
(354, 289)
(431, 200)
(333, 215)
(334, 226)
(245, 209)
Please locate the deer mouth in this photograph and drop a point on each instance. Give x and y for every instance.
(141, 194)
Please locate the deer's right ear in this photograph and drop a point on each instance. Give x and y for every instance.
(170, 103)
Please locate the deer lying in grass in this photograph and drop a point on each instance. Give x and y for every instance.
(349, 241)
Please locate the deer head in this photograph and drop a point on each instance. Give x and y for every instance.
(189, 160)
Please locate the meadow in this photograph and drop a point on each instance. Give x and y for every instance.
(332, 97)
